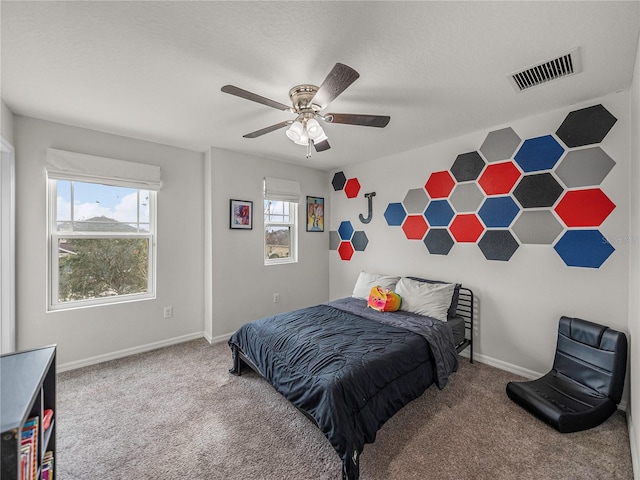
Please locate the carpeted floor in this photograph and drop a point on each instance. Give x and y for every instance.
(176, 413)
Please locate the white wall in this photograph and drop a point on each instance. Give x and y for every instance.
(6, 122)
(520, 300)
(96, 333)
(242, 287)
(634, 278)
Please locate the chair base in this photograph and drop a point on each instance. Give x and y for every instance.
(561, 402)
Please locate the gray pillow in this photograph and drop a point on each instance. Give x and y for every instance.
(366, 281)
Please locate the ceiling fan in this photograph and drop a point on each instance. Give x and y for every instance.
(308, 102)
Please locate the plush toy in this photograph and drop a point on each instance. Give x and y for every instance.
(383, 299)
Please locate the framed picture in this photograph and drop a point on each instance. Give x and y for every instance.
(241, 214)
(315, 214)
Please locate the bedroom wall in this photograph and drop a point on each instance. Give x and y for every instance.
(633, 413)
(242, 287)
(520, 300)
(99, 333)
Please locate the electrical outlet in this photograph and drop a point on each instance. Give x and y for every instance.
(168, 312)
(276, 297)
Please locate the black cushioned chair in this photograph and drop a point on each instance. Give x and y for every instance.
(585, 384)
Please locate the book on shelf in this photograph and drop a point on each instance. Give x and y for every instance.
(29, 449)
(47, 465)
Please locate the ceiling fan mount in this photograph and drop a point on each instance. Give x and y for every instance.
(307, 101)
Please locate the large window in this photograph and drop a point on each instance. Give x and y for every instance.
(101, 230)
(281, 199)
(280, 231)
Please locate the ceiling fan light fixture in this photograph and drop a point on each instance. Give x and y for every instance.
(314, 130)
(296, 131)
(304, 139)
(320, 138)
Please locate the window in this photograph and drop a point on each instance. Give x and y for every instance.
(281, 199)
(101, 238)
(280, 231)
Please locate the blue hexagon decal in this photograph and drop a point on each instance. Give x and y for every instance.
(395, 214)
(439, 213)
(583, 248)
(541, 153)
(498, 212)
(345, 230)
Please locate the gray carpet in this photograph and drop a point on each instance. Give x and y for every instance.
(176, 413)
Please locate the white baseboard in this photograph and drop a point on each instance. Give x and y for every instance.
(634, 447)
(127, 351)
(219, 338)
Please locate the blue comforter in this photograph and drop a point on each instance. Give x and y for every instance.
(349, 367)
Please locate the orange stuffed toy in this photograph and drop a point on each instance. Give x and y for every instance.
(383, 299)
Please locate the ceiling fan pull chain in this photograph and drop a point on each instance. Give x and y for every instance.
(309, 149)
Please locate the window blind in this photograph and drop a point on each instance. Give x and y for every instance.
(63, 165)
(279, 189)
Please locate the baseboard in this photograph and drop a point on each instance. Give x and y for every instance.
(634, 447)
(219, 338)
(63, 367)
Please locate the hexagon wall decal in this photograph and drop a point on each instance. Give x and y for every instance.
(466, 197)
(584, 208)
(536, 154)
(498, 245)
(585, 167)
(500, 145)
(539, 227)
(338, 181)
(360, 241)
(415, 201)
(586, 126)
(497, 212)
(352, 187)
(499, 178)
(414, 227)
(439, 184)
(345, 250)
(538, 190)
(583, 248)
(395, 214)
(334, 240)
(467, 166)
(438, 241)
(439, 213)
(466, 228)
(345, 230)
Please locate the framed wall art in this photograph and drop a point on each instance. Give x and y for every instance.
(241, 214)
(315, 214)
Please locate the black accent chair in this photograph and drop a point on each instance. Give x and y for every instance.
(585, 384)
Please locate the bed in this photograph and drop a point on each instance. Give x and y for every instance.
(349, 368)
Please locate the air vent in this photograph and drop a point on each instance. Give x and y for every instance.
(562, 66)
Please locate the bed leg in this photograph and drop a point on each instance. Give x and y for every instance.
(236, 369)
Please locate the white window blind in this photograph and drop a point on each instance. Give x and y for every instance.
(63, 165)
(283, 190)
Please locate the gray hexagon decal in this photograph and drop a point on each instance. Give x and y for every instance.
(359, 241)
(500, 145)
(466, 197)
(467, 166)
(415, 201)
(538, 190)
(584, 168)
(537, 227)
(438, 241)
(498, 245)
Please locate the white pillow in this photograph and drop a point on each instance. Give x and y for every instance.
(430, 299)
(366, 281)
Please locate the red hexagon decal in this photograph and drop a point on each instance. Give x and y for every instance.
(499, 178)
(466, 228)
(352, 188)
(440, 184)
(415, 227)
(345, 250)
(584, 208)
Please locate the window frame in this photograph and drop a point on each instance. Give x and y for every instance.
(293, 232)
(53, 237)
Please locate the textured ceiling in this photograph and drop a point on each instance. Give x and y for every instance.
(153, 70)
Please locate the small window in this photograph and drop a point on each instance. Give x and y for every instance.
(102, 243)
(280, 227)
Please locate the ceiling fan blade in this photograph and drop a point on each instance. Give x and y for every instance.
(239, 92)
(339, 78)
(379, 121)
(321, 146)
(270, 129)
